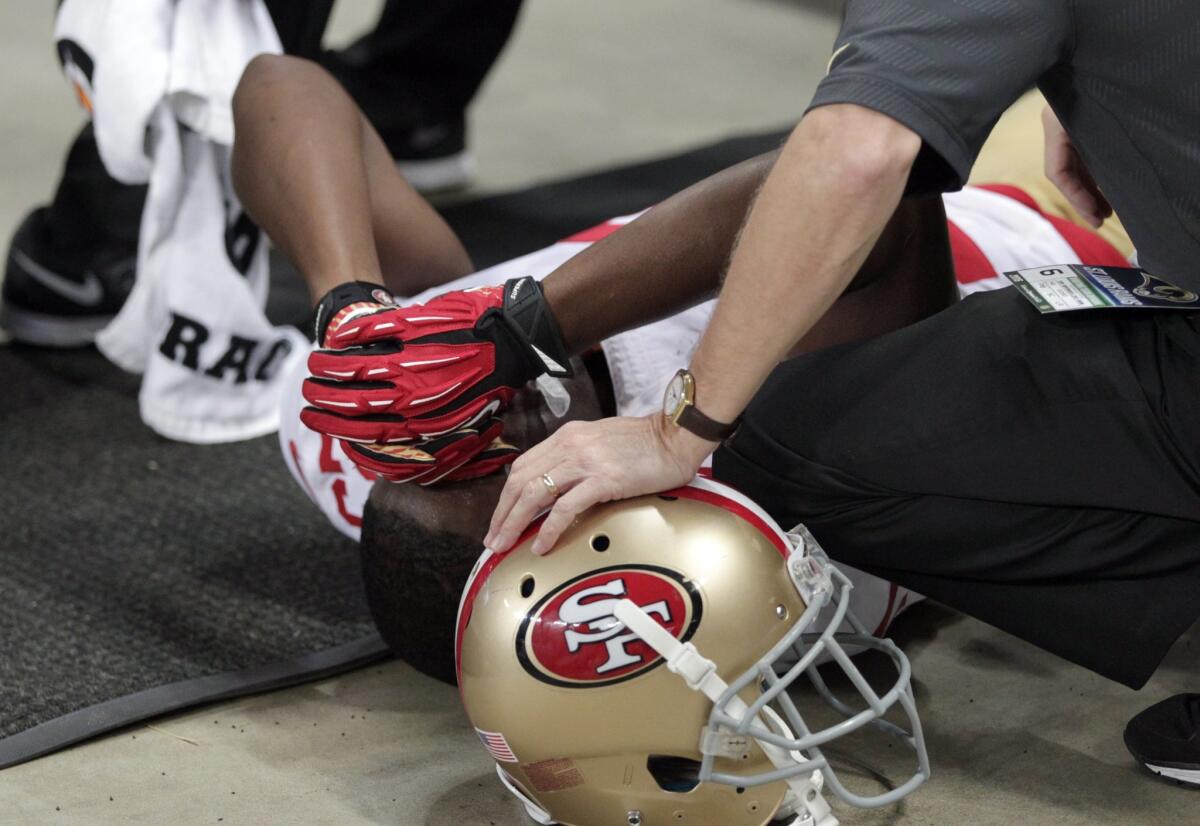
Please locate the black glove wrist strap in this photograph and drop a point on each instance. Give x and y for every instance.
(342, 296)
(525, 308)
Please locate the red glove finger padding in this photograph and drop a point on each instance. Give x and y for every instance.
(495, 456)
(463, 454)
(407, 380)
(387, 428)
(445, 313)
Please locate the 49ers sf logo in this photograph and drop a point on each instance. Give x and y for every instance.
(570, 637)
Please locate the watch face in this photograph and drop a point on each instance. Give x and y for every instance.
(673, 398)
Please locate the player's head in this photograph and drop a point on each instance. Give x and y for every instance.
(419, 544)
(638, 674)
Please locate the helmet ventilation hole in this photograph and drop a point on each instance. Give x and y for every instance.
(600, 542)
(678, 775)
(740, 789)
(527, 586)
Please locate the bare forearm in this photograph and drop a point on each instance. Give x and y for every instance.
(819, 214)
(667, 260)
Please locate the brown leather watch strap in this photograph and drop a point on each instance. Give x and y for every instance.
(696, 422)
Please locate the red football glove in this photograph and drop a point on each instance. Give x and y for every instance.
(393, 375)
(464, 454)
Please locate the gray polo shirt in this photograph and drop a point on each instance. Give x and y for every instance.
(1123, 76)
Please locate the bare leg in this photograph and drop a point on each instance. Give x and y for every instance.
(316, 177)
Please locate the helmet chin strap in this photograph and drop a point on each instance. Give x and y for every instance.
(700, 674)
(536, 813)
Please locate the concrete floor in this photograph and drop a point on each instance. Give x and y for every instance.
(1015, 735)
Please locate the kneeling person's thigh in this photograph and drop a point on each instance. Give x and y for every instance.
(991, 400)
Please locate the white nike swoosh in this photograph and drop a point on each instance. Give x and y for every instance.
(434, 397)
(87, 294)
(549, 362)
(427, 136)
(836, 55)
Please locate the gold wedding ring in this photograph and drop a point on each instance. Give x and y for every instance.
(551, 488)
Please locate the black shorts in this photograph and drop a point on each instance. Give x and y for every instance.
(1041, 473)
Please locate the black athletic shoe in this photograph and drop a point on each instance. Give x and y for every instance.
(433, 157)
(55, 296)
(1166, 738)
(428, 142)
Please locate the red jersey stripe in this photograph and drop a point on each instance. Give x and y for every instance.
(1089, 246)
(593, 234)
(970, 264)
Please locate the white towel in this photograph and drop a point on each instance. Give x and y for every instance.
(194, 323)
(117, 55)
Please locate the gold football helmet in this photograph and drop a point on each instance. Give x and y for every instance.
(637, 675)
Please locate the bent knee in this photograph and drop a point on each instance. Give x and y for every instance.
(269, 70)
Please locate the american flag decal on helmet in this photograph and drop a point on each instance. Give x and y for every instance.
(497, 746)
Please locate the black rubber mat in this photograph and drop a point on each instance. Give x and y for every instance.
(140, 576)
(128, 562)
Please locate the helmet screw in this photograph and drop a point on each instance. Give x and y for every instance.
(634, 818)
(781, 611)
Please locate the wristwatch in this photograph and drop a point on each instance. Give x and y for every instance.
(679, 408)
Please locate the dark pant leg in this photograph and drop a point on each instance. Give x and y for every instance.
(425, 59)
(300, 24)
(1039, 473)
(90, 208)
